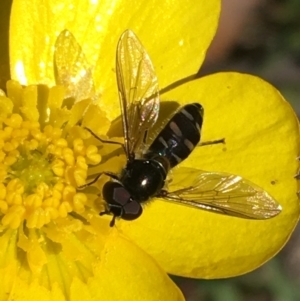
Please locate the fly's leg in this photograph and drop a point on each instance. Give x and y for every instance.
(219, 141)
(109, 174)
(105, 141)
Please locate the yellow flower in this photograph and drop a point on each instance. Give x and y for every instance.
(54, 243)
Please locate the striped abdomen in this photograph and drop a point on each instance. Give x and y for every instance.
(180, 136)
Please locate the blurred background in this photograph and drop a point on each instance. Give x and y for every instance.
(260, 37)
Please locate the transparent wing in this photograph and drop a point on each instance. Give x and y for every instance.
(221, 193)
(138, 91)
(71, 68)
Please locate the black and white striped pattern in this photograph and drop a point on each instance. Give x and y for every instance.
(181, 134)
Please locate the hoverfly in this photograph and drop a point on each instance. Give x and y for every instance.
(145, 174)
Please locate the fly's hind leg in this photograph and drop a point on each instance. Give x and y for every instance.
(219, 141)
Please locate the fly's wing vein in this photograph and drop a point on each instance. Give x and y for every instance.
(71, 68)
(138, 91)
(221, 193)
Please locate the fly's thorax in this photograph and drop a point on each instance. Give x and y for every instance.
(162, 161)
(143, 178)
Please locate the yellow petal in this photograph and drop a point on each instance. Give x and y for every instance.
(176, 34)
(262, 143)
(124, 273)
(137, 275)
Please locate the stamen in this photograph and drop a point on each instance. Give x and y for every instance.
(40, 173)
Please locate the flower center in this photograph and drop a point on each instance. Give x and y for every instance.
(40, 172)
(33, 168)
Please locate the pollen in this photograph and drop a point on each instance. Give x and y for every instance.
(41, 171)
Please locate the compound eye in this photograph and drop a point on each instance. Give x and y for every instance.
(120, 202)
(115, 194)
(121, 196)
(132, 210)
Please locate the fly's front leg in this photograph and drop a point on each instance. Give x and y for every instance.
(109, 174)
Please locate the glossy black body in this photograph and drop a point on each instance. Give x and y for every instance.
(144, 178)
